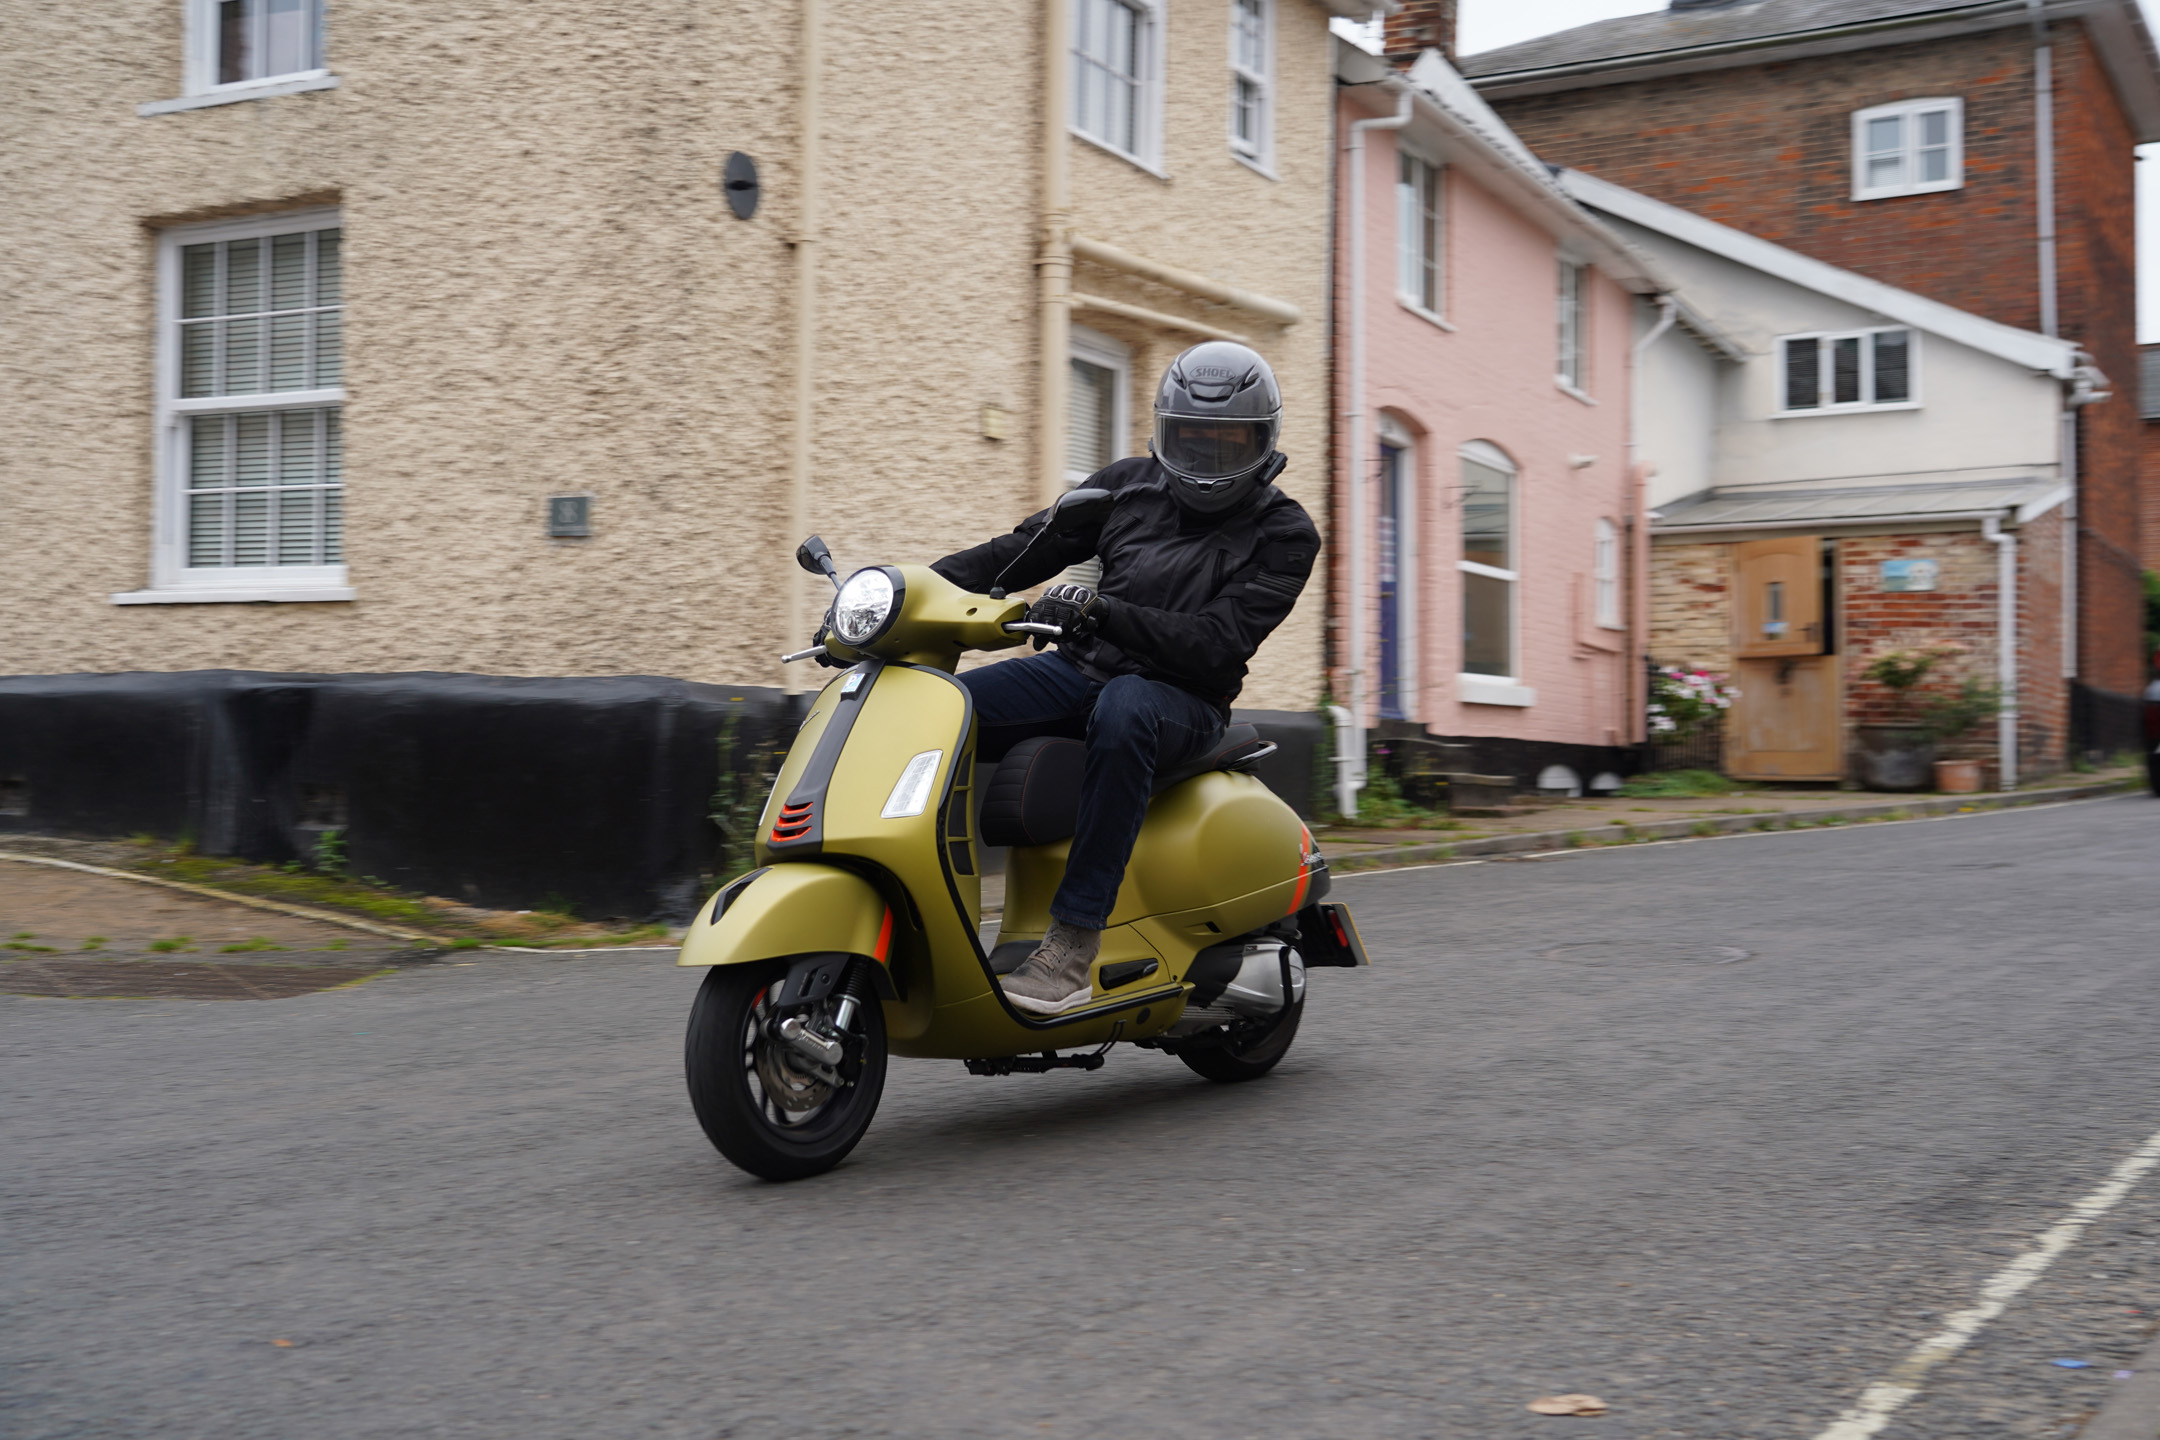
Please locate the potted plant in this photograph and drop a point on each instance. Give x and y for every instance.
(1900, 754)
(1948, 716)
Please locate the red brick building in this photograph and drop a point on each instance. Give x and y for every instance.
(1976, 153)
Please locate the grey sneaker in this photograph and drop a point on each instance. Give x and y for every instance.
(1055, 978)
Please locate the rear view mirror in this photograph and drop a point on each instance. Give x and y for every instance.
(815, 558)
(1078, 510)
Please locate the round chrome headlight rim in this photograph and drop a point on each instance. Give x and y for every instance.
(867, 604)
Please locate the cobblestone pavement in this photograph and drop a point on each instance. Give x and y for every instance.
(1713, 1130)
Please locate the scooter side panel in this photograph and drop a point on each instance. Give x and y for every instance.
(1219, 843)
(798, 908)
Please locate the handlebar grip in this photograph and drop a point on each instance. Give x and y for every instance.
(1032, 627)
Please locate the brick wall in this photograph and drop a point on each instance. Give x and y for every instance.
(1691, 606)
(2043, 698)
(1768, 149)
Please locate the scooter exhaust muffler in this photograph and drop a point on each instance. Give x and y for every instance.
(1253, 991)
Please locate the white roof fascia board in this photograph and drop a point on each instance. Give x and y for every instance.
(2023, 347)
(1445, 101)
(1362, 10)
(1707, 333)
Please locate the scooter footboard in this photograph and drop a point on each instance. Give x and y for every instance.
(798, 908)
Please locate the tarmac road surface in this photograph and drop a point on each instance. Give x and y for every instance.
(1715, 1131)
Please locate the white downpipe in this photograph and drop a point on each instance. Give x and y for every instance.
(2044, 163)
(1348, 751)
(1054, 257)
(2006, 648)
(1638, 538)
(1350, 748)
(806, 277)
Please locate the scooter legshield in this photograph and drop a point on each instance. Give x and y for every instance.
(797, 908)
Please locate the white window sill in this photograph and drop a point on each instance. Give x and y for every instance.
(1432, 317)
(251, 90)
(1888, 193)
(1255, 164)
(1126, 155)
(1844, 410)
(1493, 690)
(1566, 389)
(237, 595)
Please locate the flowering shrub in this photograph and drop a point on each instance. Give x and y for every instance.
(1681, 700)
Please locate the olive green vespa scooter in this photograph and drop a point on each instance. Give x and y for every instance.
(857, 935)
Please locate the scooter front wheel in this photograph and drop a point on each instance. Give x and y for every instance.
(762, 1103)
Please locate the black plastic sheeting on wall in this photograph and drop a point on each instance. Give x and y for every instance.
(2104, 724)
(599, 794)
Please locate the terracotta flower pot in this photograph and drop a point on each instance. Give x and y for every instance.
(1895, 757)
(1957, 777)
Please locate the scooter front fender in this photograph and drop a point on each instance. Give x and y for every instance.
(797, 908)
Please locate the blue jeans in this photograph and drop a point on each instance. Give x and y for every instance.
(1134, 727)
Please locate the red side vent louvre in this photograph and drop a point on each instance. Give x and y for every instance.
(794, 822)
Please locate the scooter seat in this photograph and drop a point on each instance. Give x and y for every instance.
(1034, 795)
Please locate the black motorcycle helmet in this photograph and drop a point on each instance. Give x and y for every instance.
(1217, 415)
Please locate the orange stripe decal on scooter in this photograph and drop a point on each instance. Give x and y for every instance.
(884, 937)
(1304, 870)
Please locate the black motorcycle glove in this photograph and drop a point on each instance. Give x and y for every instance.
(1075, 609)
(824, 633)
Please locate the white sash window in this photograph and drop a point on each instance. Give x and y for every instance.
(251, 391)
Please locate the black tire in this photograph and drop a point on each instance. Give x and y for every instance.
(1246, 1054)
(728, 1037)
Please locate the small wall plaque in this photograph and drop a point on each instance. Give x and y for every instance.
(569, 517)
(1910, 574)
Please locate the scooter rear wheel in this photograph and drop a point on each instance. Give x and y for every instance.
(1250, 1055)
(757, 1105)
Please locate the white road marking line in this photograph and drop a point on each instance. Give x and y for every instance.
(1880, 1400)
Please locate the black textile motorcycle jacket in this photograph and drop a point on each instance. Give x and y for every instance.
(1186, 599)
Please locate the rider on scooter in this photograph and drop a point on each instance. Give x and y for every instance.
(1201, 558)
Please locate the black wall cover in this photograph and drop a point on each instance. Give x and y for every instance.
(740, 182)
(499, 791)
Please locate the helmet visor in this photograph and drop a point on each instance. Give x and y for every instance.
(1210, 449)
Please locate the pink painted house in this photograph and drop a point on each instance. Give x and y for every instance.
(1487, 568)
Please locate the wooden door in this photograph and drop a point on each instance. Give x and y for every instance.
(1784, 726)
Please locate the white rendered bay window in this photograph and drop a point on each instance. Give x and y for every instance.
(250, 435)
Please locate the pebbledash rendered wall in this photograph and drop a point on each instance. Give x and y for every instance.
(1691, 625)
(547, 294)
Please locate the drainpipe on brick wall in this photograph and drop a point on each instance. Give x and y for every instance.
(2050, 318)
(1054, 262)
(1351, 776)
(2006, 648)
(806, 230)
(1638, 675)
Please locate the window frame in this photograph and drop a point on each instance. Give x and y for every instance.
(172, 578)
(1823, 372)
(1909, 112)
(1475, 686)
(1571, 296)
(1605, 571)
(203, 34)
(1148, 84)
(1260, 153)
(1430, 225)
(1094, 348)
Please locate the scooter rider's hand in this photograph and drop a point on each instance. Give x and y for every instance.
(824, 633)
(1075, 609)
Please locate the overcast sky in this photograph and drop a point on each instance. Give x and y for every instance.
(1489, 24)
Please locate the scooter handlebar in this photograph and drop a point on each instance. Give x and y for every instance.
(1032, 627)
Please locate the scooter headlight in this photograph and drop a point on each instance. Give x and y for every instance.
(865, 606)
